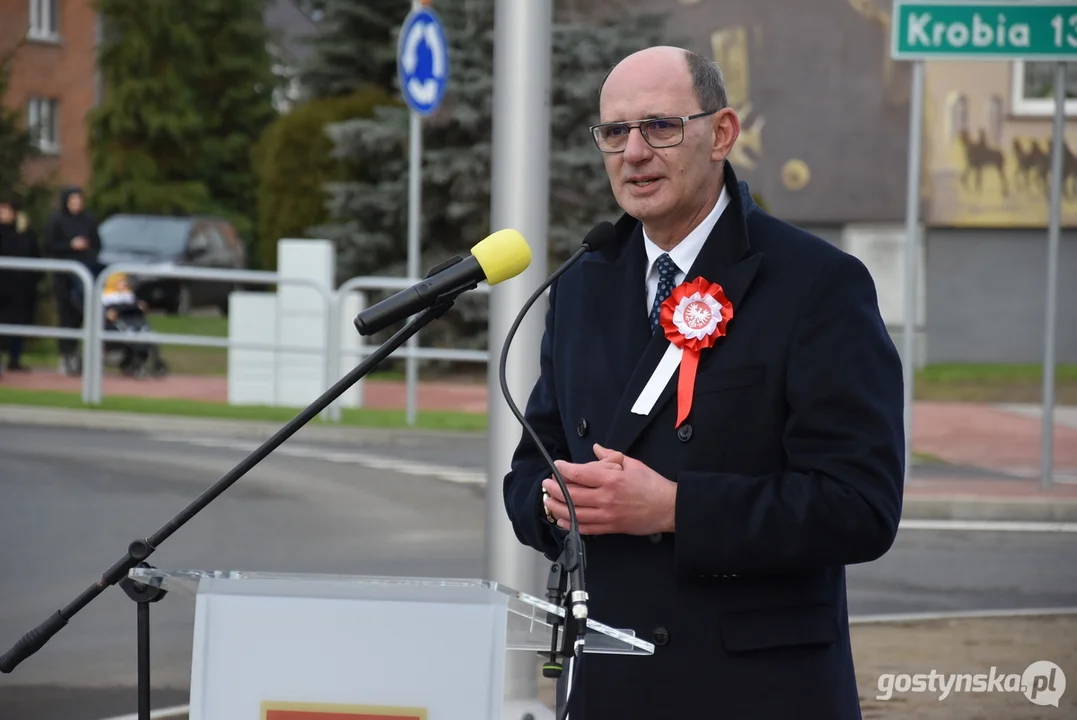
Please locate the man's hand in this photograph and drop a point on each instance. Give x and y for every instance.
(79, 243)
(614, 494)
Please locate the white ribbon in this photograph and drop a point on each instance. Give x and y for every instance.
(659, 378)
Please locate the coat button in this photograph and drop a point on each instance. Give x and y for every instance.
(655, 538)
(581, 427)
(660, 636)
(684, 433)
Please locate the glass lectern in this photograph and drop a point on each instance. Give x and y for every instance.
(335, 647)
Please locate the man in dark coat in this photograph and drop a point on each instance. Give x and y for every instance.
(18, 288)
(718, 515)
(72, 235)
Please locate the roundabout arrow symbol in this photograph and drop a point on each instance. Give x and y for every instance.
(411, 45)
(437, 52)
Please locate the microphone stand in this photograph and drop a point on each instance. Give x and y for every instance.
(565, 585)
(139, 550)
(568, 643)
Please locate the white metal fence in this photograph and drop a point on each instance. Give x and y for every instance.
(85, 333)
(94, 336)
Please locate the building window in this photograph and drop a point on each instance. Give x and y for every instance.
(44, 20)
(43, 121)
(1034, 88)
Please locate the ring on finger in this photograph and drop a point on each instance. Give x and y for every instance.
(549, 516)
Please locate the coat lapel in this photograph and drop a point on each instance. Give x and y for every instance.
(617, 296)
(725, 258)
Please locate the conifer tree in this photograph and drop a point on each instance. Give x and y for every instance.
(16, 141)
(187, 92)
(234, 85)
(16, 148)
(355, 47)
(145, 136)
(370, 217)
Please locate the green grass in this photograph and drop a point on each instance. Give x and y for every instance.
(971, 382)
(994, 373)
(960, 382)
(927, 459)
(357, 417)
(215, 325)
(181, 359)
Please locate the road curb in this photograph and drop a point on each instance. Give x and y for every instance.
(992, 614)
(917, 507)
(972, 507)
(316, 430)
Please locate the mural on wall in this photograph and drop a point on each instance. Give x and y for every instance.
(818, 118)
(877, 12)
(731, 52)
(987, 162)
(730, 47)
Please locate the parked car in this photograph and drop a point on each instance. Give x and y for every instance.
(158, 240)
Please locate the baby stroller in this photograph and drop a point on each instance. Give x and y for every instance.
(124, 313)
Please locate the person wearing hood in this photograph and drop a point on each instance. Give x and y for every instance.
(72, 235)
(18, 288)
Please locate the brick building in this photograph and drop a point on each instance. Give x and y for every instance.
(53, 80)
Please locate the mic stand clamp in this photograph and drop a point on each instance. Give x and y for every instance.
(143, 594)
(562, 643)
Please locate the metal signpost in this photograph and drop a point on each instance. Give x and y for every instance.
(422, 61)
(519, 187)
(1036, 31)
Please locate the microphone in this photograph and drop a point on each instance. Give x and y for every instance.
(498, 257)
(573, 558)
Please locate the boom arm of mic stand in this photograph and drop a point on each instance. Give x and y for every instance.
(139, 550)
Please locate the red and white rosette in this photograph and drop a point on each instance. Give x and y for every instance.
(693, 317)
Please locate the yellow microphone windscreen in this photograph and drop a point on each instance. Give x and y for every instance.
(502, 255)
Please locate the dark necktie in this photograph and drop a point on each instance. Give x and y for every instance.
(667, 273)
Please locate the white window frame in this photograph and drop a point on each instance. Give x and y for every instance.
(40, 109)
(1035, 107)
(44, 20)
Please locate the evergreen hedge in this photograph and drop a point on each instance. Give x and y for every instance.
(294, 159)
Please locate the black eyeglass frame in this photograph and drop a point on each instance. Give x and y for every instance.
(640, 123)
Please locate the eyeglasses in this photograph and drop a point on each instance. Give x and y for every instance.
(660, 132)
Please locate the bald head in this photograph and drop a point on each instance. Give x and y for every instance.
(666, 131)
(703, 76)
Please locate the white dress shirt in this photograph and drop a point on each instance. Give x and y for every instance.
(684, 253)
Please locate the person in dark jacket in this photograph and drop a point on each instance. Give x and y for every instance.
(723, 401)
(72, 235)
(18, 288)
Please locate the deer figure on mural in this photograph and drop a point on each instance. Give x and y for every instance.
(1032, 166)
(979, 155)
(1069, 171)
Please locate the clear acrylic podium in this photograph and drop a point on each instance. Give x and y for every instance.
(300, 647)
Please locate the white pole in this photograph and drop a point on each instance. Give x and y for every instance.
(1047, 431)
(912, 247)
(415, 187)
(519, 199)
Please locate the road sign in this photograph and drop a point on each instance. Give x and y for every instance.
(1035, 31)
(422, 60)
(984, 30)
(422, 65)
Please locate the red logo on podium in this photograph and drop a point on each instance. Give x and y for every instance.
(326, 711)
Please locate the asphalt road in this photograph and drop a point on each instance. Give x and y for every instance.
(71, 500)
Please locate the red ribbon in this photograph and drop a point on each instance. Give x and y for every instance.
(690, 322)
